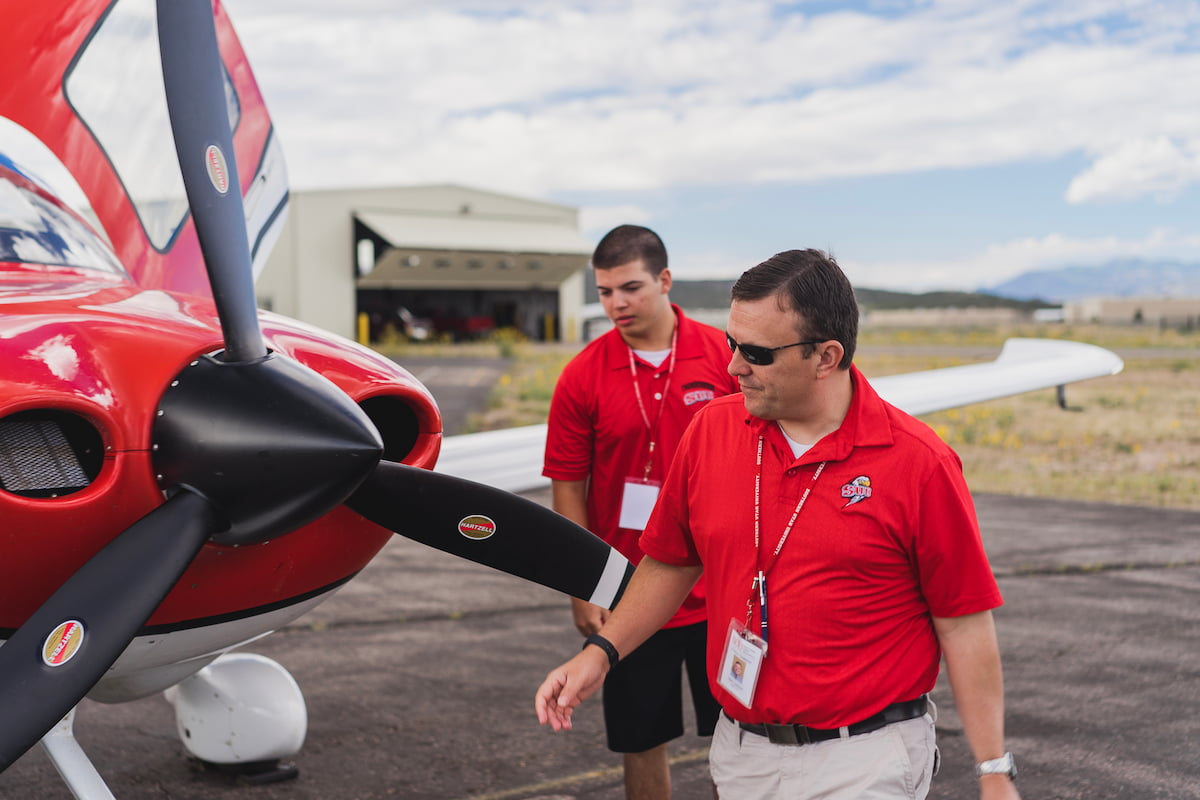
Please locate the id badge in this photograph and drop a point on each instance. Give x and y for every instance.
(741, 662)
(637, 502)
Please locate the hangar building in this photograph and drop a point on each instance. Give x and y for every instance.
(460, 260)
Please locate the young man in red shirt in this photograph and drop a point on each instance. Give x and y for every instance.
(618, 412)
(842, 560)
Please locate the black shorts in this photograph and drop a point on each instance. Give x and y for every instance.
(643, 695)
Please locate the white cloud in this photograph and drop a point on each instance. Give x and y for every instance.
(1159, 166)
(1000, 262)
(595, 221)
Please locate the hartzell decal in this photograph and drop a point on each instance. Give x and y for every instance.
(856, 490)
(63, 643)
(477, 527)
(218, 173)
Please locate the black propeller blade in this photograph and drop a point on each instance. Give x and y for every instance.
(493, 527)
(60, 652)
(195, 83)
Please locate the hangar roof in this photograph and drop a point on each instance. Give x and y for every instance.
(452, 236)
(424, 231)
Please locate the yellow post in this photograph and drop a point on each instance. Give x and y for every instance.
(364, 328)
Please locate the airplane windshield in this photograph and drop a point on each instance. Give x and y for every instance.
(116, 88)
(36, 231)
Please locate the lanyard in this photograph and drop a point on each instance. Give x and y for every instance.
(759, 584)
(637, 393)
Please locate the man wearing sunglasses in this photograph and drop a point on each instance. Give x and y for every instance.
(618, 412)
(842, 561)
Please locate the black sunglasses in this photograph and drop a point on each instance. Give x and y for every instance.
(761, 356)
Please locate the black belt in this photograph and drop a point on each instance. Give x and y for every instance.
(800, 734)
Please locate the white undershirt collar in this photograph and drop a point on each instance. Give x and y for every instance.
(655, 357)
(798, 449)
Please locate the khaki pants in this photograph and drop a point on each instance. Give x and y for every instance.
(894, 762)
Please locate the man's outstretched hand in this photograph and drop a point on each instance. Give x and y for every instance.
(568, 686)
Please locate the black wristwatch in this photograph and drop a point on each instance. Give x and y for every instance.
(1004, 765)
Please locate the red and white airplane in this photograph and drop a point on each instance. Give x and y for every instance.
(180, 472)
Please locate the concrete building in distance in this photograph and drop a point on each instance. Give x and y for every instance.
(457, 261)
(1166, 312)
(943, 317)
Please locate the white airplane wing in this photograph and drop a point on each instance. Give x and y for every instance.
(1024, 365)
(511, 459)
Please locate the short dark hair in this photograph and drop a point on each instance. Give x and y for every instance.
(812, 284)
(626, 243)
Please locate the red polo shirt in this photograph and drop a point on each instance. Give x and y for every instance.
(887, 540)
(595, 429)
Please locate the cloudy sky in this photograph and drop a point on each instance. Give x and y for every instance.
(927, 143)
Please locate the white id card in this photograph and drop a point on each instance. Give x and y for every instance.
(741, 662)
(637, 502)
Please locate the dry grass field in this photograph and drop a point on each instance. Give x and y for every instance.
(1134, 440)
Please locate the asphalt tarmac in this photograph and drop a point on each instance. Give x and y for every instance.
(419, 677)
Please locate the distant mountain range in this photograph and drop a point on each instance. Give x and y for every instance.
(715, 294)
(1028, 291)
(1122, 278)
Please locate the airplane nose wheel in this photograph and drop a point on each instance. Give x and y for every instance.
(243, 715)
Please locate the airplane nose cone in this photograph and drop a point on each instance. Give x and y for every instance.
(271, 443)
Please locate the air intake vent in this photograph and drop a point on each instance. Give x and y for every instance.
(48, 453)
(397, 424)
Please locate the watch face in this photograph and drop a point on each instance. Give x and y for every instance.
(998, 766)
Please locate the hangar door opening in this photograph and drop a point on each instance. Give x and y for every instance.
(459, 314)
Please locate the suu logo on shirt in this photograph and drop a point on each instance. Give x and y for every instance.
(856, 490)
(698, 392)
